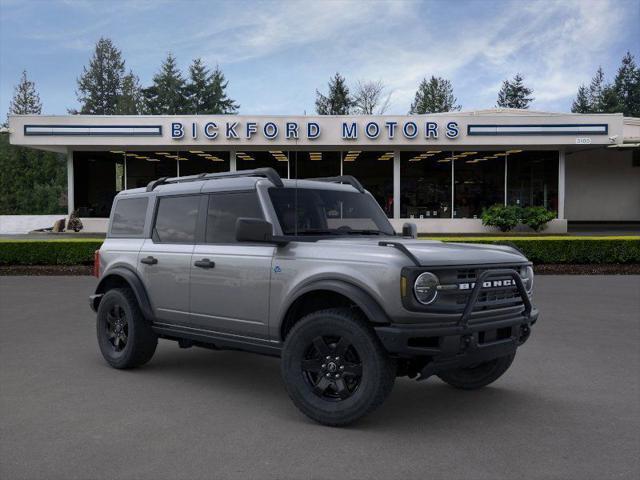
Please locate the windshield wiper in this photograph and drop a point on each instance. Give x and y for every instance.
(364, 232)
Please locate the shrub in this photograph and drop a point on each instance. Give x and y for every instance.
(569, 250)
(503, 217)
(48, 252)
(537, 217)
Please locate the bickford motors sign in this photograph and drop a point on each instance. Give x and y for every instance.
(293, 130)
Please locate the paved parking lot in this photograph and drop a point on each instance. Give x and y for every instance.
(568, 408)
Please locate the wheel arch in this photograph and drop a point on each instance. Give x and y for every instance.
(334, 293)
(119, 277)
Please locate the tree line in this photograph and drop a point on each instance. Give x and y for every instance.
(34, 182)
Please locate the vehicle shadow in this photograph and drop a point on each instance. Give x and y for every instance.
(411, 404)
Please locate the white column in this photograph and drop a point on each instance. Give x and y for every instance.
(232, 161)
(561, 177)
(506, 167)
(396, 184)
(71, 204)
(453, 185)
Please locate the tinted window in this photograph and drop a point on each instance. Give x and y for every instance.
(176, 219)
(328, 212)
(225, 209)
(128, 216)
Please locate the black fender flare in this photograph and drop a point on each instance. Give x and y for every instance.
(137, 287)
(363, 300)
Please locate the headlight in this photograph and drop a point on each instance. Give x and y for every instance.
(530, 278)
(426, 288)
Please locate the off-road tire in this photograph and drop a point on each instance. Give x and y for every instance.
(377, 369)
(477, 376)
(141, 341)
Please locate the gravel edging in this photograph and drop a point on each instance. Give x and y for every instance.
(544, 269)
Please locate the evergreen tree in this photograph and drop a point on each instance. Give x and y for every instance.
(434, 95)
(206, 92)
(581, 104)
(218, 100)
(99, 86)
(338, 101)
(167, 95)
(627, 86)
(596, 91)
(25, 99)
(514, 94)
(130, 101)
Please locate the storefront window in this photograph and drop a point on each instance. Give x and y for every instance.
(314, 164)
(425, 185)
(276, 159)
(98, 176)
(532, 178)
(478, 182)
(375, 171)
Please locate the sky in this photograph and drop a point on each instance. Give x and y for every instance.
(275, 54)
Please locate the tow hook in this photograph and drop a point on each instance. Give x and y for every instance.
(468, 342)
(525, 331)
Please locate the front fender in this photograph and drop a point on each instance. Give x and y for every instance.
(369, 306)
(133, 281)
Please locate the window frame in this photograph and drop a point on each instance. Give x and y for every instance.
(117, 201)
(198, 231)
(205, 213)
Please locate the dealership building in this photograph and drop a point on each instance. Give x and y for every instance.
(439, 170)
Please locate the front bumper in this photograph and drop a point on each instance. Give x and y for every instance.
(453, 340)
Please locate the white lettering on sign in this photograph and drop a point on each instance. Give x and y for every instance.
(583, 141)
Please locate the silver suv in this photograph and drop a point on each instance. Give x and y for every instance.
(311, 271)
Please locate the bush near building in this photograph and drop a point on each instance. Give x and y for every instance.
(540, 250)
(507, 217)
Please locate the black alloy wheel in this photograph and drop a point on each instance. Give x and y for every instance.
(332, 367)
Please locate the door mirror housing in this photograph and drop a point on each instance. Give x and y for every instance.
(255, 230)
(410, 230)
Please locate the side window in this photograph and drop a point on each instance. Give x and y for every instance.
(225, 209)
(128, 216)
(176, 219)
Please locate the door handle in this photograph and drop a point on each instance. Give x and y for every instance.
(204, 263)
(149, 260)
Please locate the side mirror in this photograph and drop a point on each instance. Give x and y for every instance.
(253, 230)
(410, 230)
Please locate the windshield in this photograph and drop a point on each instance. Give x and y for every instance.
(307, 211)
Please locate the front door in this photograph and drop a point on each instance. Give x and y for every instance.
(230, 280)
(165, 259)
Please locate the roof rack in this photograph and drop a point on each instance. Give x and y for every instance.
(351, 180)
(266, 172)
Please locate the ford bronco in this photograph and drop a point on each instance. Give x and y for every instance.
(311, 271)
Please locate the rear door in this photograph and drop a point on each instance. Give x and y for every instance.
(230, 280)
(165, 258)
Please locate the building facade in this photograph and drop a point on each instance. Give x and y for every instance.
(439, 171)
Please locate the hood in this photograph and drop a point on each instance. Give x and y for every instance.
(437, 253)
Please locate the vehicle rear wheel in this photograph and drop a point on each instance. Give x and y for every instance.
(125, 338)
(334, 368)
(477, 376)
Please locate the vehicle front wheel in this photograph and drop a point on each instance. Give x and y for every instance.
(125, 338)
(334, 367)
(477, 376)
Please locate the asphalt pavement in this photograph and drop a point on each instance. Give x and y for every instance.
(569, 407)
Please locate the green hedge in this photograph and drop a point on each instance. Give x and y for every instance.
(551, 249)
(575, 250)
(48, 252)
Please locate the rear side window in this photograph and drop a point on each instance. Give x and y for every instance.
(176, 219)
(128, 216)
(225, 209)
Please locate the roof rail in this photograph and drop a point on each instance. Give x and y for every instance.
(266, 172)
(351, 180)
